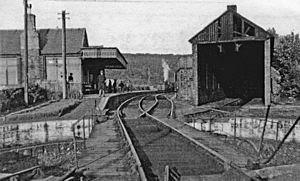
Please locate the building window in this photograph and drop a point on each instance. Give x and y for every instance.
(8, 71)
(54, 69)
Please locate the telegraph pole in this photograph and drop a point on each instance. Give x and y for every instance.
(148, 71)
(63, 37)
(26, 52)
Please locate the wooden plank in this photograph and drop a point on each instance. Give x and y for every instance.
(196, 73)
(213, 32)
(209, 33)
(230, 25)
(243, 27)
(223, 37)
(232, 41)
(267, 73)
(166, 173)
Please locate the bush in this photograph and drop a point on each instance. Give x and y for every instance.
(37, 94)
(286, 62)
(55, 95)
(11, 99)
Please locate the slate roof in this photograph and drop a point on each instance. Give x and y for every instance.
(49, 41)
(10, 41)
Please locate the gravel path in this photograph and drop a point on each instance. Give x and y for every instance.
(106, 157)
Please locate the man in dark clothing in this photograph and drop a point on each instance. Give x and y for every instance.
(70, 78)
(115, 86)
(109, 86)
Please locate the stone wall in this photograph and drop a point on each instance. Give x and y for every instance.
(184, 82)
(60, 155)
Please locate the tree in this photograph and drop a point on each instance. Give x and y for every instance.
(286, 61)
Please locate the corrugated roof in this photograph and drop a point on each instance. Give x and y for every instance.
(49, 40)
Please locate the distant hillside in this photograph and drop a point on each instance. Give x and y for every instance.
(138, 65)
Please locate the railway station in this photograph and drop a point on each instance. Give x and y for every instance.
(231, 58)
(201, 132)
(83, 62)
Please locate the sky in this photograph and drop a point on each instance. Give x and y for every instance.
(149, 26)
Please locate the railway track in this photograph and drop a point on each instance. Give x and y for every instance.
(157, 145)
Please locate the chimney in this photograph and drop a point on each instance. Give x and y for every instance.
(31, 22)
(34, 60)
(232, 8)
(33, 36)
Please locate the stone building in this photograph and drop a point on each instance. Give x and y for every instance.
(231, 58)
(45, 63)
(184, 78)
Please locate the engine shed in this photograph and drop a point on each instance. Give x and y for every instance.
(231, 58)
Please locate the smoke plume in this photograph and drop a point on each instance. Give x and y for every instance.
(166, 69)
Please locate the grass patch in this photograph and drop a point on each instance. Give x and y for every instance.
(56, 109)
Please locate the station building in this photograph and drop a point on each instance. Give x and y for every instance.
(45, 63)
(231, 58)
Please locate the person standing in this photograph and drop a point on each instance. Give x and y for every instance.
(121, 85)
(101, 84)
(109, 86)
(70, 81)
(70, 78)
(115, 86)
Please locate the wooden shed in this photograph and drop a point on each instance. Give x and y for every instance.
(231, 58)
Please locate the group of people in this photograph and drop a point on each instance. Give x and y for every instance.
(109, 85)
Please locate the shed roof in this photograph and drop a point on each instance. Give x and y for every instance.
(229, 26)
(49, 41)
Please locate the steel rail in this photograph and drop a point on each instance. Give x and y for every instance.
(172, 111)
(226, 162)
(150, 108)
(134, 153)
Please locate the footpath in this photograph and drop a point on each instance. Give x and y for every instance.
(107, 157)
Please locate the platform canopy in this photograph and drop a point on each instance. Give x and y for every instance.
(104, 57)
